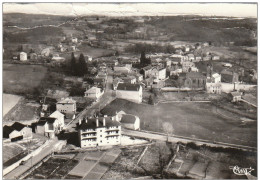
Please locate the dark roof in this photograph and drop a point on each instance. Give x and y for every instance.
(41, 123)
(128, 87)
(18, 126)
(128, 119)
(147, 67)
(8, 129)
(91, 123)
(48, 119)
(195, 75)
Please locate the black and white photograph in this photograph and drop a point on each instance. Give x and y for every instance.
(129, 90)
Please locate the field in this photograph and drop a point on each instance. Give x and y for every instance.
(9, 101)
(190, 119)
(20, 79)
(88, 165)
(53, 168)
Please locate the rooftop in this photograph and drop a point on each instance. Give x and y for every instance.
(67, 101)
(128, 119)
(93, 90)
(91, 123)
(128, 86)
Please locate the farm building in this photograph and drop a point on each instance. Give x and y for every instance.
(101, 131)
(23, 56)
(130, 121)
(17, 131)
(131, 92)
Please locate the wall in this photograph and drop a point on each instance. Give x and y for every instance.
(228, 87)
(66, 108)
(134, 96)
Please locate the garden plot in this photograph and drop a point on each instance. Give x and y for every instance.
(53, 168)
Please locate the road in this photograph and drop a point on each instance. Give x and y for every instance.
(33, 161)
(104, 100)
(175, 139)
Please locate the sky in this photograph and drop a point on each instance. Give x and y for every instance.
(138, 9)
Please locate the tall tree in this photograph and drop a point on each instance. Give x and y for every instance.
(143, 58)
(73, 64)
(82, 65)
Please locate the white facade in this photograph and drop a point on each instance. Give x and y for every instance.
(101, 134)
(216, 78)
(67, 105)
(214, 88)
(74, 40)
(158, 73)
(60, 119)
(94, 93)
(23, 56)
(131, 95)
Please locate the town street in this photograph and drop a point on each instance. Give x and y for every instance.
(32, 161)
(104, 100)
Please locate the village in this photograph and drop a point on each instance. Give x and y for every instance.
(95, 112)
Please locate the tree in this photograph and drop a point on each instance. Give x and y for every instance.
(167, 127)
(73, 64)
(81, 66)
(143, 58)
(151, 100)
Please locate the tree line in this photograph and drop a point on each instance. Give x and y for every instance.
(78, 67)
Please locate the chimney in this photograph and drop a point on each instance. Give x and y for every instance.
(97, 123)
(104, 121)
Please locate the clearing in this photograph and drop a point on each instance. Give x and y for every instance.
(21, 79)
(9, 101)
(189, 119)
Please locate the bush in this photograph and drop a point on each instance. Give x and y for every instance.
(76, 91)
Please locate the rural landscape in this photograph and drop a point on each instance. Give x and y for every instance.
(109, 96)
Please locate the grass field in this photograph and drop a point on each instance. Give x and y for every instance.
(9, 101)
(190, 119)
(20, 79)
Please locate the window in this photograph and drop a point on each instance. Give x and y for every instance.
(101, 141)
(101, 130)
(100, 135)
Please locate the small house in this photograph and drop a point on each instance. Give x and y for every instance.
(94, 93)
(236, 96)
(23, 56)
(130, 121)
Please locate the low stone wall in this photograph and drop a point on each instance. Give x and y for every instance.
(228, 87)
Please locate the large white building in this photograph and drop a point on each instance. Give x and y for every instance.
(100, 131)
(131, 92)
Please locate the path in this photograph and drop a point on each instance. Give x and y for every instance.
(174, 138)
